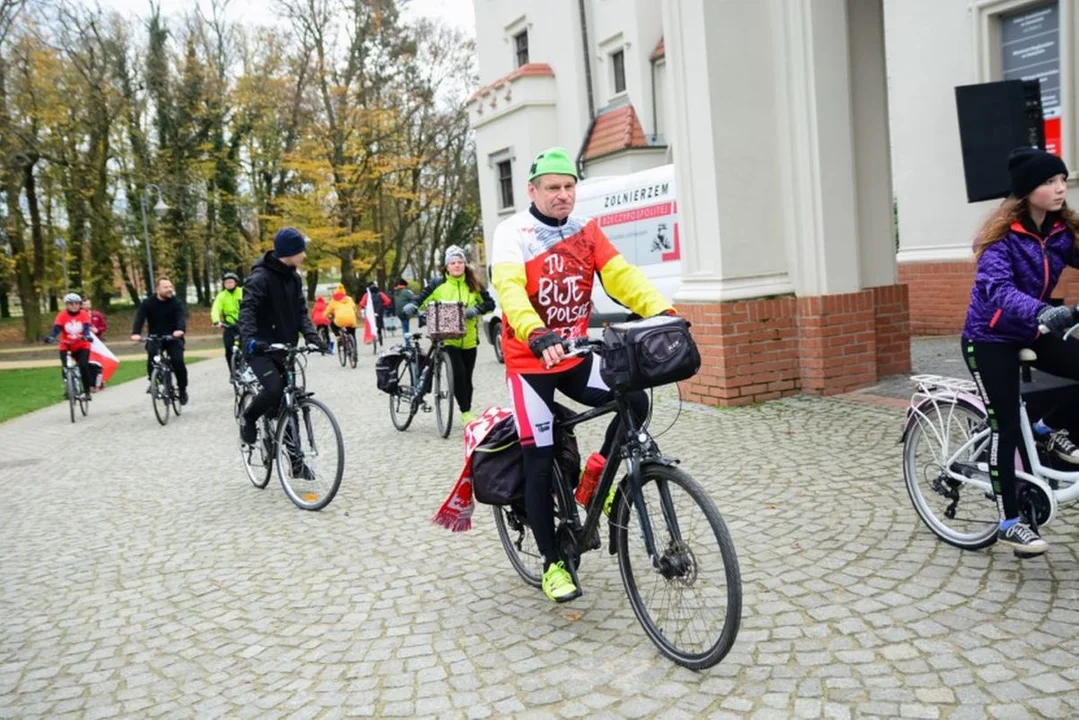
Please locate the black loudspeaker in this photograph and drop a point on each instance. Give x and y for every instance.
(994, 118)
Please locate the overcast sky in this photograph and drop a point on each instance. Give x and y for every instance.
(457, 13)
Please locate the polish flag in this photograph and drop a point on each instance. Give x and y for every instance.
(101, 355)
(370, 328)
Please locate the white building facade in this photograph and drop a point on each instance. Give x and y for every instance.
(783, 119)
(932, 47)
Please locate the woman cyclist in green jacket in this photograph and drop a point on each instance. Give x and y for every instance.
(460, 284)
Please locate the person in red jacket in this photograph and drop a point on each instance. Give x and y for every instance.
(97, 319)
(72, 327)
(322, 323)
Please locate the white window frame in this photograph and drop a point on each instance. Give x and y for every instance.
(493, 161)
(510, 32)
(607, 49)
(987, 63)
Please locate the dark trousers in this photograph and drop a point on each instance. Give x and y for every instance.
(271, 375)
(463, 363)
(995, 367)
(175, 348)
(228, 336)
(82, 357)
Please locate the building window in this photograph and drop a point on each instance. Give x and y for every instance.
(520, 46)
(1030, 50)
(618, 65)
(505, 184)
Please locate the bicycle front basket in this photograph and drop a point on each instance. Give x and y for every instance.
(446, 320)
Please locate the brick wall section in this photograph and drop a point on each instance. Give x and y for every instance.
(891, 307)
(758, 350)
(837, 342)
(940, 294)
(749, 351)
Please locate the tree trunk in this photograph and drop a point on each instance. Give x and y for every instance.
(312, 285)
(5, 308)
(54, 303)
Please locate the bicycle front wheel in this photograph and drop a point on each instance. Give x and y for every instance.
(159, 393)
(84, 397)
(443, 394)
(72, 387)
(959, 513)
(402, 409)
(342, 349)
(310, 454)
(690, 606)
(353, 353)
(519, 544)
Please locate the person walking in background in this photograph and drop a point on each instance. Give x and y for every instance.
(98, 323)
(322, 323)
(402, 296)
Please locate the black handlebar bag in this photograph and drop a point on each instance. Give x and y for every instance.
(647, 353)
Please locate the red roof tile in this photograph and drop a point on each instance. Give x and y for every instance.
(615, 130)
(526, 70)
(659, 52)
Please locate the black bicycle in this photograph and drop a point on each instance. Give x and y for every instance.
(163, 391)
(419, 373)
(303, 438)
(346, 348)
(675, 555)
(76, 393)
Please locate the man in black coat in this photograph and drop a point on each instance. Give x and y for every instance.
(164, 314)
(273, 310)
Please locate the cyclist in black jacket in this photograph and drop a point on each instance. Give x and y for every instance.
(273, 311)
(164, 314)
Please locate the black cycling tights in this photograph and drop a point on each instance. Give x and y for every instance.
(995, 367)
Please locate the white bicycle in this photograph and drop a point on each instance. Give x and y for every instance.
(946, 463)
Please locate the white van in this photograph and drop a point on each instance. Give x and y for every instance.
(639, 213)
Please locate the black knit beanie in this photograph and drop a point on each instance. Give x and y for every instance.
(288, 242)
(1029, 167)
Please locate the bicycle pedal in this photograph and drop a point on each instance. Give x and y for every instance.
(426, 408)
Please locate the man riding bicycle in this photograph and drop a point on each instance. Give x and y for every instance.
(164, 315)
(274, 311)
(543, 263)
(72, 325)
(226, 312)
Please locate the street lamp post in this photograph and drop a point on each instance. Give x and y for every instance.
(160, 207)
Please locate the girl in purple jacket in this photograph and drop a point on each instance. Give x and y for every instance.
(1021, 251)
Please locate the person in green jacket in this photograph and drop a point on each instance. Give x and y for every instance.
(226, 312)
(461, 284)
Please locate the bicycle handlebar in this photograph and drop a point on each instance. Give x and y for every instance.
(582, 346)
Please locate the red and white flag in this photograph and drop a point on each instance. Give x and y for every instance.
(370, 327)
(101, 355)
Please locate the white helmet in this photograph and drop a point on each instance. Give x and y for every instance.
(72, 298)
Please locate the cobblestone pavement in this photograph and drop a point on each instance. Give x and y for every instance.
(144, 576)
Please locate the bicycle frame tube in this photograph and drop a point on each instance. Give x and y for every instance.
(629, 446)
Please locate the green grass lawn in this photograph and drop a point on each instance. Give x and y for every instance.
(23, 391)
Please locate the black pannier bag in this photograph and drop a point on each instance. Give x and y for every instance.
(386, 370)
(647, 353)
(498, 475)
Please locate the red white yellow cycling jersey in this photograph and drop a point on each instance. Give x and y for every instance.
(543, 274)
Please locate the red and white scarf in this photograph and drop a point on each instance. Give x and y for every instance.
(456, 512)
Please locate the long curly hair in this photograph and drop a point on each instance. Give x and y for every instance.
(1011, 211)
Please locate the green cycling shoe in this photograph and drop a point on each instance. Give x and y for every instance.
(558, 584)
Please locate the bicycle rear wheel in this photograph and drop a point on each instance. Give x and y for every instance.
(310, 455)
(402, 409)
(159, 394)
(961, 514)
(443, 390)
(353, 353)
(691, 605)
(519, 544)
(257, 458)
